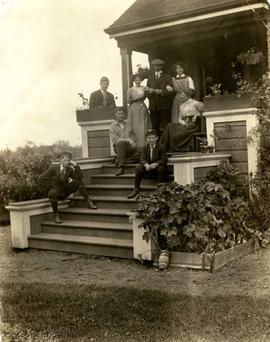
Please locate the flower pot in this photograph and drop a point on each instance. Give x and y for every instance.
(163, 260)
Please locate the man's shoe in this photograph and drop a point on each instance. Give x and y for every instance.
(57, 218)
(134, 193)
(120, 171)
(90, 204)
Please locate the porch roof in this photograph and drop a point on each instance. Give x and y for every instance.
(144, 13)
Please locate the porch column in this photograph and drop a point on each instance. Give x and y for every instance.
(126, 72)
(268, 41)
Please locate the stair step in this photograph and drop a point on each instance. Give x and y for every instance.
(111, 168)
(101, 214)
(82, 244)
(125, 179)
(117, 202)
(112, 189)
(89, 228)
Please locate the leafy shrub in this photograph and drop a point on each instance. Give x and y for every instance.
(199, 217)
(229, 177)
(19, 170)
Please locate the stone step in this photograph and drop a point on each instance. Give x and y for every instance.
(129, 168)
(111, 168)
(115, 190)
(111, 202)
(126, 179)
(99, 215)
(89, 228)
(112, 247)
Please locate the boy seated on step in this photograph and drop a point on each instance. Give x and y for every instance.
(123, 144)
(61, 180)
(153, 162)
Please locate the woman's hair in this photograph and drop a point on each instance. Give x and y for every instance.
(181, 64)
(136, 75)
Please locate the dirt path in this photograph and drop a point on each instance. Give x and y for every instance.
(247, 276)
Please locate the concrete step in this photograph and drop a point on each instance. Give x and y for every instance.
(115, 189)
(129, 168)
(112, 247)
(126, 179)
(111, 202)
(99, 215)
(86, 228)
(111, 168)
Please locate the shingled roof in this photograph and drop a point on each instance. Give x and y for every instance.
(148, 12)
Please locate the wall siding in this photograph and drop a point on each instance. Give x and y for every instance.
(232, 138)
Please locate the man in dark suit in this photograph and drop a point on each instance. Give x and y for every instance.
(159, 92)
(61, 180)
(102, 99)
(153, 162)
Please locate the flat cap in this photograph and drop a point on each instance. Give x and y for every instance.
(151, 132)
(157, 61)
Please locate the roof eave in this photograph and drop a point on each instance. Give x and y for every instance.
(124, 30)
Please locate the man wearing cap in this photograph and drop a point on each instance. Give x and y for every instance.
(123, 143)
(153, 162)
(102, 98)
(61, 180)
(159, 92)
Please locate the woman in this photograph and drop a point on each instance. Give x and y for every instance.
(178, 136)
(181, 83)
(137, 111)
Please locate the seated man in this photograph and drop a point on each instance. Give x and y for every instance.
(61, 180)
(124, 145)
(153, 162)
(102, 98)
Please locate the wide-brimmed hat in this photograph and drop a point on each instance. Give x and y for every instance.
(158, 61)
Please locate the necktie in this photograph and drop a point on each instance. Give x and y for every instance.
(151, 153)
(105, 99)
(63, 173)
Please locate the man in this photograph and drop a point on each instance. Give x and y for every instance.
(102, 98)
(159, 90)
(61, 180)
(153, 162)
(124, 145)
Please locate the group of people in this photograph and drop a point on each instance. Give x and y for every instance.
(144, 137)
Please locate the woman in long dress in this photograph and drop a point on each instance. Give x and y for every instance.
(178, 136)
(181, 83)
(138, 115)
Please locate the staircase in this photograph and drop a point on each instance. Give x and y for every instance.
(105, 231)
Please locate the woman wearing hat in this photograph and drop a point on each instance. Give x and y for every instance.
(137, 112)
(181, 83)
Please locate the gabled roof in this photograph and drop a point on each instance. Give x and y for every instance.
(144, 13)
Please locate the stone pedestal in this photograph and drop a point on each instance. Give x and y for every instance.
(189, 166)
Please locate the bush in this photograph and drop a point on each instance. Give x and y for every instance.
(199, 217)
(19, 170)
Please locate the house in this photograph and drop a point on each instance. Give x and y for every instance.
(208, 35)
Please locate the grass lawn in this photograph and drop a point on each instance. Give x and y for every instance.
(57, 312)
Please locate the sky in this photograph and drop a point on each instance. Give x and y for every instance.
(51, 51)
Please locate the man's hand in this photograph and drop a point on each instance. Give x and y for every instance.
(158, 91)
(147, 167)
(132, 142)
(169, 88)
(153, 166)
(72, 164)
(69, 180)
